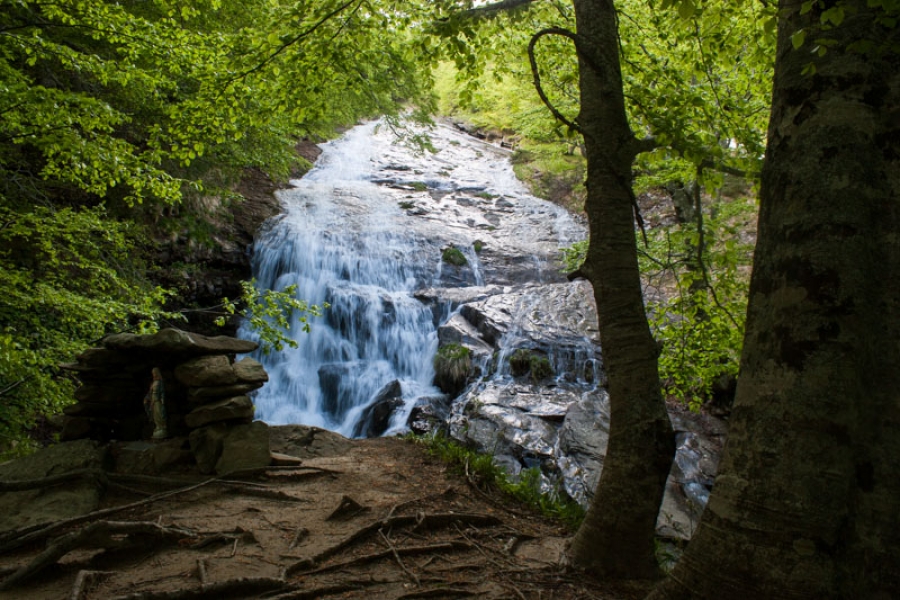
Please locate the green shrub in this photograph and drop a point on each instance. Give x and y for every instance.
(454, 256)
(520, 362)
(484, 472)
(524, 361)
(540, 367)
(452, 367)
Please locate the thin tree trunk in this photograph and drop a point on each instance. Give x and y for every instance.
(806, 501)
(617, 537)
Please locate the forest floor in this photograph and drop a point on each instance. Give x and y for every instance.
(376, 518)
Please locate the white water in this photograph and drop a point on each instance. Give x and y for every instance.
(348, 241)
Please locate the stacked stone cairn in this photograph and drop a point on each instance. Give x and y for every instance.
(206, 399)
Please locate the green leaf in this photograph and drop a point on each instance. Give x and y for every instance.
(686, 9)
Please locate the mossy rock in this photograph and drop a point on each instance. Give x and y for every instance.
(524, 362)
(454, 256)
(520, 362)
(452, 368)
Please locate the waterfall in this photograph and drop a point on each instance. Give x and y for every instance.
(366, 228)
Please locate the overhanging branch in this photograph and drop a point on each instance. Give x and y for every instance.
(489, 10)
(537, 76)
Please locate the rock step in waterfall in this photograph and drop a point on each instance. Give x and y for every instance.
(444, 254)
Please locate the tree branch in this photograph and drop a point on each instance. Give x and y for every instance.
(537, 76)
(284, 46)
(489, 10)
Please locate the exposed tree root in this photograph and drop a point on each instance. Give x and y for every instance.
(232, 588)
(45, 482)
(96, 535)
(396, 554)
(421, 522)
(441, 592)
(325, 590)
(20, 537)
(367, 558)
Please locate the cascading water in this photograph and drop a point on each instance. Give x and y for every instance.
(365, 229)
(413, 251)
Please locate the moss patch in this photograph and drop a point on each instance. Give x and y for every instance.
(454, 256)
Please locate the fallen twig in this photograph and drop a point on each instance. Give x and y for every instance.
(302, 534)
(84, 579)
(393, 549)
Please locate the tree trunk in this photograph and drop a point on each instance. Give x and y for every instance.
(806, 501)
(616, 539)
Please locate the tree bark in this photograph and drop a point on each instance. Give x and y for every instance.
(616, 539)
(806, 501)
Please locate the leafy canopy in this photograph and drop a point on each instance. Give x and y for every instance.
(118, 118)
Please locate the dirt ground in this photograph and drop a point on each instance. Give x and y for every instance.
(376, 518)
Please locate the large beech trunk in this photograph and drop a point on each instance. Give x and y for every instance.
(617, 537)
(807, 500)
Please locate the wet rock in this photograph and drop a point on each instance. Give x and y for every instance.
(429, 415)
(304, 441)
(376, 418)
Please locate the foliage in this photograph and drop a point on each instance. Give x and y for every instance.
(270, 314)
(700, 323)
(124, 121)
(697, 80)
(454, 256)
(69, 277)
(481, 469)
(452, 367)
(524, 361)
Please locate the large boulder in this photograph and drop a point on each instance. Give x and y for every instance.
(206, 446)
(376, 418)
(245, 447)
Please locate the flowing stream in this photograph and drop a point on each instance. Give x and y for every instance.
(366, 229)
